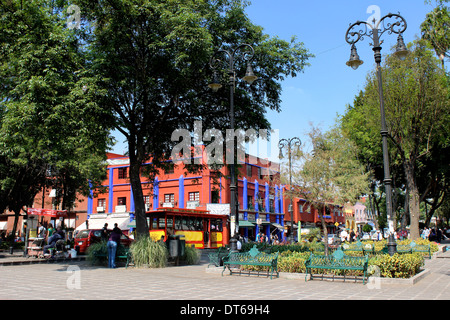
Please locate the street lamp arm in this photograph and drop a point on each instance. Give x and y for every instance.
(247, 55)
(289, 143)
(398, 26)
(353, 37)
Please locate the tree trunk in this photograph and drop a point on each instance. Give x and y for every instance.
(414, 199)
(138, 197)
(14, 230)
(324, 227)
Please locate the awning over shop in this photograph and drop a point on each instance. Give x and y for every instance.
(98, 223)
(246, 224)
(278, 226)
(47, 212)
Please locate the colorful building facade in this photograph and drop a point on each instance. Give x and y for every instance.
(263, 205)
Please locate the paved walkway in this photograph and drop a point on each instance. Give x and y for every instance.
(78, 280)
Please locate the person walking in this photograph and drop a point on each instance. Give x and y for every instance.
(113, 242)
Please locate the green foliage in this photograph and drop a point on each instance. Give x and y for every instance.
(367, 228)
(148, 253)
(292, 262)
(152, 59)
(435, 30)
(99, 247)
(49, 126)
(398, 265)
(268, 248)
(191, 255)
(313, 235)
(416, 95)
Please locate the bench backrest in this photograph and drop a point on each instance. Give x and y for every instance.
(419, 247)
(338, 258)
(358, 246)
(404, 248)
(253, 255)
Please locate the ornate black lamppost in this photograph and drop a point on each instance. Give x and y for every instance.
(390, 23)
(247, 52)
(290, 143)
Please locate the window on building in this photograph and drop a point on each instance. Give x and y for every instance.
(122, 201)
(249, 170)
(101, 203)
(169, 197)
(250, 204)
(122, 173)
(259, 173)
(194, 196)
(215, 196)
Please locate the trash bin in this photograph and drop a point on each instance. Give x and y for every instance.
(177, 246)
(181, 245)
(173, 247)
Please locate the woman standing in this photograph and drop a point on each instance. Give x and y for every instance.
(113, 242)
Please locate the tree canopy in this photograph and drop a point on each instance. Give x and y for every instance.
(416, 94)
(51, 131)
(152, 61)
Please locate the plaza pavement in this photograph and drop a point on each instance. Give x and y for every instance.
(77, 280)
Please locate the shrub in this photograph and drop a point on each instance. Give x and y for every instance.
(367, 228)
(293, 262)
(398, 265)
(97, 247)
(191, 255)
(149, 253)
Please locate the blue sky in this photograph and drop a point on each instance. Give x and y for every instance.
(328, 85)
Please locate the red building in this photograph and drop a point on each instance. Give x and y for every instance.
(263, 205)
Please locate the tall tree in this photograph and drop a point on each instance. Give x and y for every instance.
(416, 95)
(330, 174)
(153, 60)
(435, 29)
(50, 128)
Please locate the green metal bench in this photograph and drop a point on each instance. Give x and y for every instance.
(425, 248)
(215, 258)
(336, 261)
(121, 253)
(252, 258)
(411, 248)
(358, 247)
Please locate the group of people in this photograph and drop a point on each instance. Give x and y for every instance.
(51, 235)
(262, 237)
(433, 234)
(113, 241)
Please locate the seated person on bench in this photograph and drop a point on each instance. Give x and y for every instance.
(52, 240)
